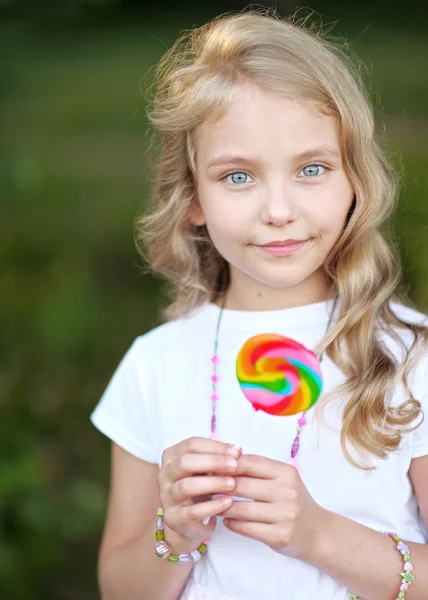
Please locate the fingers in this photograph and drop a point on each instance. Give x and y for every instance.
(180, 517)
(185, 465)
(191, 472)
(199, 445)
(192, 487)
(261, 467)
(254, 489)
(262, 532)
(257, 512)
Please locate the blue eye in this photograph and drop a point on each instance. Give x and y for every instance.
(312, 170)
(238, 178)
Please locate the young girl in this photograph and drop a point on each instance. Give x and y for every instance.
(269, 194)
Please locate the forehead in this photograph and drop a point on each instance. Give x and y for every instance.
(258, 121)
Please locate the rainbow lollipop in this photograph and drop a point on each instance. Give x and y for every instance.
(278, 375)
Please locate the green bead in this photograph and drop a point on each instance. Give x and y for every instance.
(202, 548)
(159, 535)
(396, 538)
(407, 577)
(159, 512)
(401, 595)
(173, 558)
(406, 557)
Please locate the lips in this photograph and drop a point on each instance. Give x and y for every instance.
(283, 247)
(282, 243)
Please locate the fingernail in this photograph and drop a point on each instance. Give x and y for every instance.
(231, 463)
(234, 451)
(206, 521)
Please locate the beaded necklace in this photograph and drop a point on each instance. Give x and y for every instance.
(301, 422)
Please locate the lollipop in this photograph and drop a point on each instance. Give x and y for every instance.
(278, 375)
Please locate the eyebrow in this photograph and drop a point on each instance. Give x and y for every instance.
(321, 151)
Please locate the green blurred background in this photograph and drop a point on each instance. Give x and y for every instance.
(73, 175)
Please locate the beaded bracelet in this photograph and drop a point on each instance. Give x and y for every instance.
(164, 550)
(407, 577)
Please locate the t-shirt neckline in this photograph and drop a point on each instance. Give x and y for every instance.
(295, 316)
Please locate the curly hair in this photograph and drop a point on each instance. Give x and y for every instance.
(195, 80)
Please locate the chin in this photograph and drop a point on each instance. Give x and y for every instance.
(279, 282)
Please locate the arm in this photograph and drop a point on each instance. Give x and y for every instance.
(128, 566)
(366, 561)
(285, 517)
(192, 470)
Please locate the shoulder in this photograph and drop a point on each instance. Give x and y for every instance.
(400, 340)
(176, 335)
(397, 339)
(166, 349)
(409, 314)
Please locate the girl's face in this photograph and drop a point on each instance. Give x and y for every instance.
(274, 196)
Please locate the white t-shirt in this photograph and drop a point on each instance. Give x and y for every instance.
(160, 394)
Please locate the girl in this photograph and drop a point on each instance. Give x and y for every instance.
(268, 196)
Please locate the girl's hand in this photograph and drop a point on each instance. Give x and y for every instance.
(191, 472)
(283, 515)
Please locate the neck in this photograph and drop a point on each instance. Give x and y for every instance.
(245, 293)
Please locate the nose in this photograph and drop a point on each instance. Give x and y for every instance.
(278, 207)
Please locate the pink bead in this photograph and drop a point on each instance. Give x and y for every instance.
(215, 359)
(295, 447)
(404, 587)
(302, 421)
(214, 378)
(207, 541)
(408, 566)
(214, 397)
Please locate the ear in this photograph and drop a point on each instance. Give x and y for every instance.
(197, 216)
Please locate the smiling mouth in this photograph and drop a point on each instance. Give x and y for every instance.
(289, 242)
(285, 248)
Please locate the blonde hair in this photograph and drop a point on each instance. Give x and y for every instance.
(194, 81)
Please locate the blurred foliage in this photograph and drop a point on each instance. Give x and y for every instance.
(383, 13)
(73, 175)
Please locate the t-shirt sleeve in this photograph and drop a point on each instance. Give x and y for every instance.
(420, 435)
(125, 413)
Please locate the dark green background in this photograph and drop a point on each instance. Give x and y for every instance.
(73, 176)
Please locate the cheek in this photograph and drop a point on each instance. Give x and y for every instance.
(330, 217)
(331, 222)
(225, 219)
(227, 226)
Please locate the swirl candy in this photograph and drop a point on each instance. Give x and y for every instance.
(278, 375)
